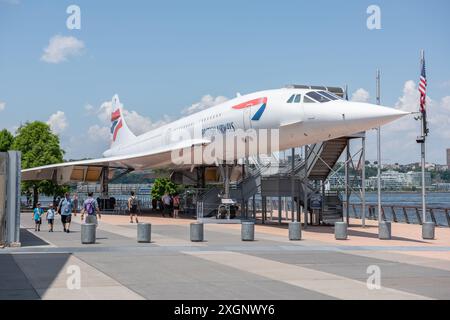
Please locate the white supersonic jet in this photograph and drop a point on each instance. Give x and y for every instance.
(301, 114)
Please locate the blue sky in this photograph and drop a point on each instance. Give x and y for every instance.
(162, 57)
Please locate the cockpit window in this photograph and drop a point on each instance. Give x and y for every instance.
(326, 94)
(319, 98)
(291, 99)
(335, 95)
(298, 98)
(308, 100)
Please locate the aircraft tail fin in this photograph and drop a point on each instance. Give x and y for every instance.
(120, 132)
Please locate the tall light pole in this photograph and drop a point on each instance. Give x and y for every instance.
(379, 149)
(427, 227)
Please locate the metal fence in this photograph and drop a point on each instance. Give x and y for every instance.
(403, 214)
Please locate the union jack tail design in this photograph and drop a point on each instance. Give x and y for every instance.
(119, 130)
(116, 123)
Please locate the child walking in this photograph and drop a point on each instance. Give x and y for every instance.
(37, 213)
(51, 217)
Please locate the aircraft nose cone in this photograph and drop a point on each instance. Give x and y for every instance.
(373, 115)
(388, 113)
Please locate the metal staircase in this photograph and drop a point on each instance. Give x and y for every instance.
(332, 209)
(324, 157)
(274, 178)
(211, 200)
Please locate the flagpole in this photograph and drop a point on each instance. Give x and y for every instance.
(379, 151)
(422, 145)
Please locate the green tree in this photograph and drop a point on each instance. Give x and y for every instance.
(39, 147)
(6, 140)
(162, 186)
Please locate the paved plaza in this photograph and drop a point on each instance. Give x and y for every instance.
(224, 267)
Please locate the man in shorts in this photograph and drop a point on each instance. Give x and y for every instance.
(133, 207)
(90, 208)
(65, 209)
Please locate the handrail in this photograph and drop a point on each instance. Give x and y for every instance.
(410, 214)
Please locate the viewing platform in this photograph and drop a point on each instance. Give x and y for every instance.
(223, 266)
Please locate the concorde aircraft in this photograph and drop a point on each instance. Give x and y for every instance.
(300, 114)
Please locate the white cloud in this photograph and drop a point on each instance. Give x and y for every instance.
(360, 95)
(206, 102)
(399, 138)
(60, 48)
(58, 122)
(2, 105)
(99, 133)
(89, 108)
(445, 103)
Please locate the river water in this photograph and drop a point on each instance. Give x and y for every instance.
(433, 199)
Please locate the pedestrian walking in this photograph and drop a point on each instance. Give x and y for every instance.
(75, 204)
(51, 217)
(133, 207)
(37, 214)
(166, 201)
(65, 210)
(176, 205)
(91, 209)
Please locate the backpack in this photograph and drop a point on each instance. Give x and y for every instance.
(89, 207)
(134, 201)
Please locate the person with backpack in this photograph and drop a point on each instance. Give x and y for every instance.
(65, 210)
(37, 213)
(90, 207)
(133, 206)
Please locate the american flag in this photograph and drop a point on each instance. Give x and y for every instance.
(423, 95)
(423, 88)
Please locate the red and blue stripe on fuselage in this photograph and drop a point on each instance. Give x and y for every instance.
(252, 103)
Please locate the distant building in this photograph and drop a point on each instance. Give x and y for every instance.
(441, 167)
(392, 180)
(442, 186)
(448, 159)
(414, 179)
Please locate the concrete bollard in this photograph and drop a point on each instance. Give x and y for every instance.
(384, 230)
(248, 231)
(295, 231)
(196, 232)
(144, 231)
(340, 231)
(88, 233)
(428, 230)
